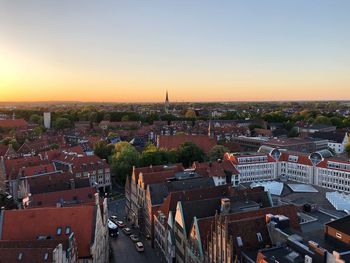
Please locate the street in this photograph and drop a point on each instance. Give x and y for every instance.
(123, 248)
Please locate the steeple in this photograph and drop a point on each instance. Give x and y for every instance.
(166, 106)
(166, 97)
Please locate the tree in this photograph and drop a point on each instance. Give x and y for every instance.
(320, 119)
(103, 150)
(217, 152)
(190, 114)
(190, 152)
(347, 149)
(293, 133)
(35, 118)
(12, 141)
(62, 123)
(54, 146)
(124, 158)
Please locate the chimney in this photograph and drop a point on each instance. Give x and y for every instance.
(72, 183)
(225, 205)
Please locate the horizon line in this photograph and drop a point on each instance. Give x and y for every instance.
(158, 102)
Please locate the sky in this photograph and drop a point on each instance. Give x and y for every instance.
(198, 50)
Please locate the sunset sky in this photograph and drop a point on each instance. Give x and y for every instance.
(198, 50)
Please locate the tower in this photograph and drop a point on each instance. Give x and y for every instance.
(47, 120)
(166, 105)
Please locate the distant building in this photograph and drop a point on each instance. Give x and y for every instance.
(47, 120)
(204, 142)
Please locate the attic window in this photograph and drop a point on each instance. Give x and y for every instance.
(259, 237)
(46, 256)
(239, 241)
(67, 230)
(20, 256)
(59, 231)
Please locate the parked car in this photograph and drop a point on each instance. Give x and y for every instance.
(120, 224)
(112, 229)
(139, 247)
(134, 238)
(113, 218)
(127, 230)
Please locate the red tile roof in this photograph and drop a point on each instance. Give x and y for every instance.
(38, 169)
(175, 141)
(57, 181)
(156, 177)
(302, 158)
(157, 168)
(17, 123)
(28, 224)
(12, 166)
(216, 168)
(82, 195)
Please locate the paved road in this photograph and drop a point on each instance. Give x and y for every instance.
(122, 247)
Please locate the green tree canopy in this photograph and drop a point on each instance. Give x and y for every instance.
(217, 152)
(320, 119)
(125, 157)
(190, 152)
(103, 150)
(36, 118)
(62, 123)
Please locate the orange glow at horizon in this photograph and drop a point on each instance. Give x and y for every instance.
(25, 78)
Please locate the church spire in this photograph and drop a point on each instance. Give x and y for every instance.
(166, 106)
(166, 97)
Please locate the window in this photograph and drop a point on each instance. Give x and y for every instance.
(239, 242)
(20, 255)
(46, 256)
(259, 237)
(338, 235)
(59, 231)
(67, 230)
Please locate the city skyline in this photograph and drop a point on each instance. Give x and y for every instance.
(114, 51)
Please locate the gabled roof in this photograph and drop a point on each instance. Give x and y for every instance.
(302, 158)
(175, 141)
(28, 224)
(158, 192)
(247, 229)
(216, 168)
(208, 207)
(156, 177)
(69, 197)
(171, 200)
